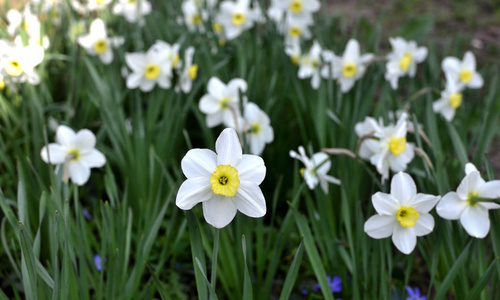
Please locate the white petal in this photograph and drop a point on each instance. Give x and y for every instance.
(250, 200)
(251, 168)
(193, 191)
(106, 57)
(379, 227)
(93, 159)
(476, 221)
(451, 206)
(56, 152)
(78, 172)
(403, 188)
(471, 183)
(351, 53)
(214, 119)
(423, 203)
(451, 65)
(235, 86)
(84, 140)
(385, 204)
(199, 163)
(147, 85)
(219, 211)
(469, 61)
(136, 61)
(228, 148)
(134, 80)
(490, 189)
(404, 239)
(476, 82)
(469, 167)
(209, 104)
(424, 226)
(490, 205)
(216, 88)
(65, 135)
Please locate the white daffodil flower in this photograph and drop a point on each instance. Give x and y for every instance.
(258, 128)
(189, 72)
(296, 29)
(224, 182)
(293, 50)
(95, 5)
(221, 104)
(299, 8)
(97, 42)
(194, 16)
(132, 10)
(76, 152)
(311, 64)
(236, 17)
(150, 68)
(470, 202)
(369, 126)
(18, 63)
(451, 99)
(316, 169)
(402, 214)
(31, 26)
(403, 60)
(350, 67)
(463, 71)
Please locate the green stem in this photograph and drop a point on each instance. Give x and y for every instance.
(215, 254)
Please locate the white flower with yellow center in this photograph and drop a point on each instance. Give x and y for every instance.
(471, 202)
(368, 127)
(296, 29)
(315, 169)
(236, 17)
(97, 42)
(150, 68)
(221, 104)
(351, 66)
(194, 16)
(463, 71)
(132, 10)
(171, 50)
(294, 51)
(258, 128)
(30, 24)
(450, 101)
(299, 8)
(189, 72)
(402, 214)
(224, 182)
(311, 64)
(75, 152)
(18, 63)
(403, 60)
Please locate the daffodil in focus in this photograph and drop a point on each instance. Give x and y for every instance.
(189, 71)
(403, 60)
(150, 68)
(471, 202)
(402, 214)
(17, 63)
(75, 152)
(97, 42)
(463, 71)
(132, 10)
(450, 101)
(221, 104)
(224, 181)
(350, 67)
(315, 169)
(258, 128)
(235, 17)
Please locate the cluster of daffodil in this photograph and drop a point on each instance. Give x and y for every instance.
(222, 105)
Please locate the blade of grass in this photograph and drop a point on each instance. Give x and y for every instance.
(292, 272)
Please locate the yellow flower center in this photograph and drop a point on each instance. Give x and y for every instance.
(193, 71)
(176, 60)
(407, 216)
(455, 100)
(405, 62)
(473, 198)
(255, 128)
(349, 70)
(238, 19)
(225, 180)
(397, 145)
(2, 84)
(152, 71)
(13, 68)
(295, 59)
(222, 42)
(302, 171)
(294, 32)
(100, 2)
(224, 103)
(100, 46)
(131, 1)
(196, 19)
(465, 76)
(217, 27)
(26, 26)
(296, 6)
(74, 154)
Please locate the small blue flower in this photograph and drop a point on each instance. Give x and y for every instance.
(414, 294)
(334, 282)
(86, 214)
(98, 262)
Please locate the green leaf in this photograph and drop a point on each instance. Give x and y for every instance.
(247, 281)
(197, 253)
(292, 272)
(158, 283)
(28, 264)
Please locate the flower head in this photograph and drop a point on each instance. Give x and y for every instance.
(414, 294)
(316, 169)
(464, 72)
(334, 282)
(311, 64)
(76, 152)
(17, 63)
(97, 42)
(450, 101)
(225, 181)
(132, 10)
(258, 128)
(470, 202)
(403, 213)
(236, 17)
(403, 60)
(189, 71)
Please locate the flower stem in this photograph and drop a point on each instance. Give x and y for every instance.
(215, 254)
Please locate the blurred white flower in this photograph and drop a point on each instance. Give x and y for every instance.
(298, 8)
(316, 169)
(221, 104)
(258, 128)
(403, 60)
(311, 64)
(293, 50)
(17, 63)
(451, 99)
(463, 71)
(470, 202)
(97, 42)
(225, 182)
(194, 16)
(133, 11)
(31, 25)
(236, 17)
(350, 67)
(76, 152)
(189, 71)
(402, 214)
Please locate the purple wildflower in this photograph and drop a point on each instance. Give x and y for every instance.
(334, 282)
(86, 214)
(414, 294)
(98, 262)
